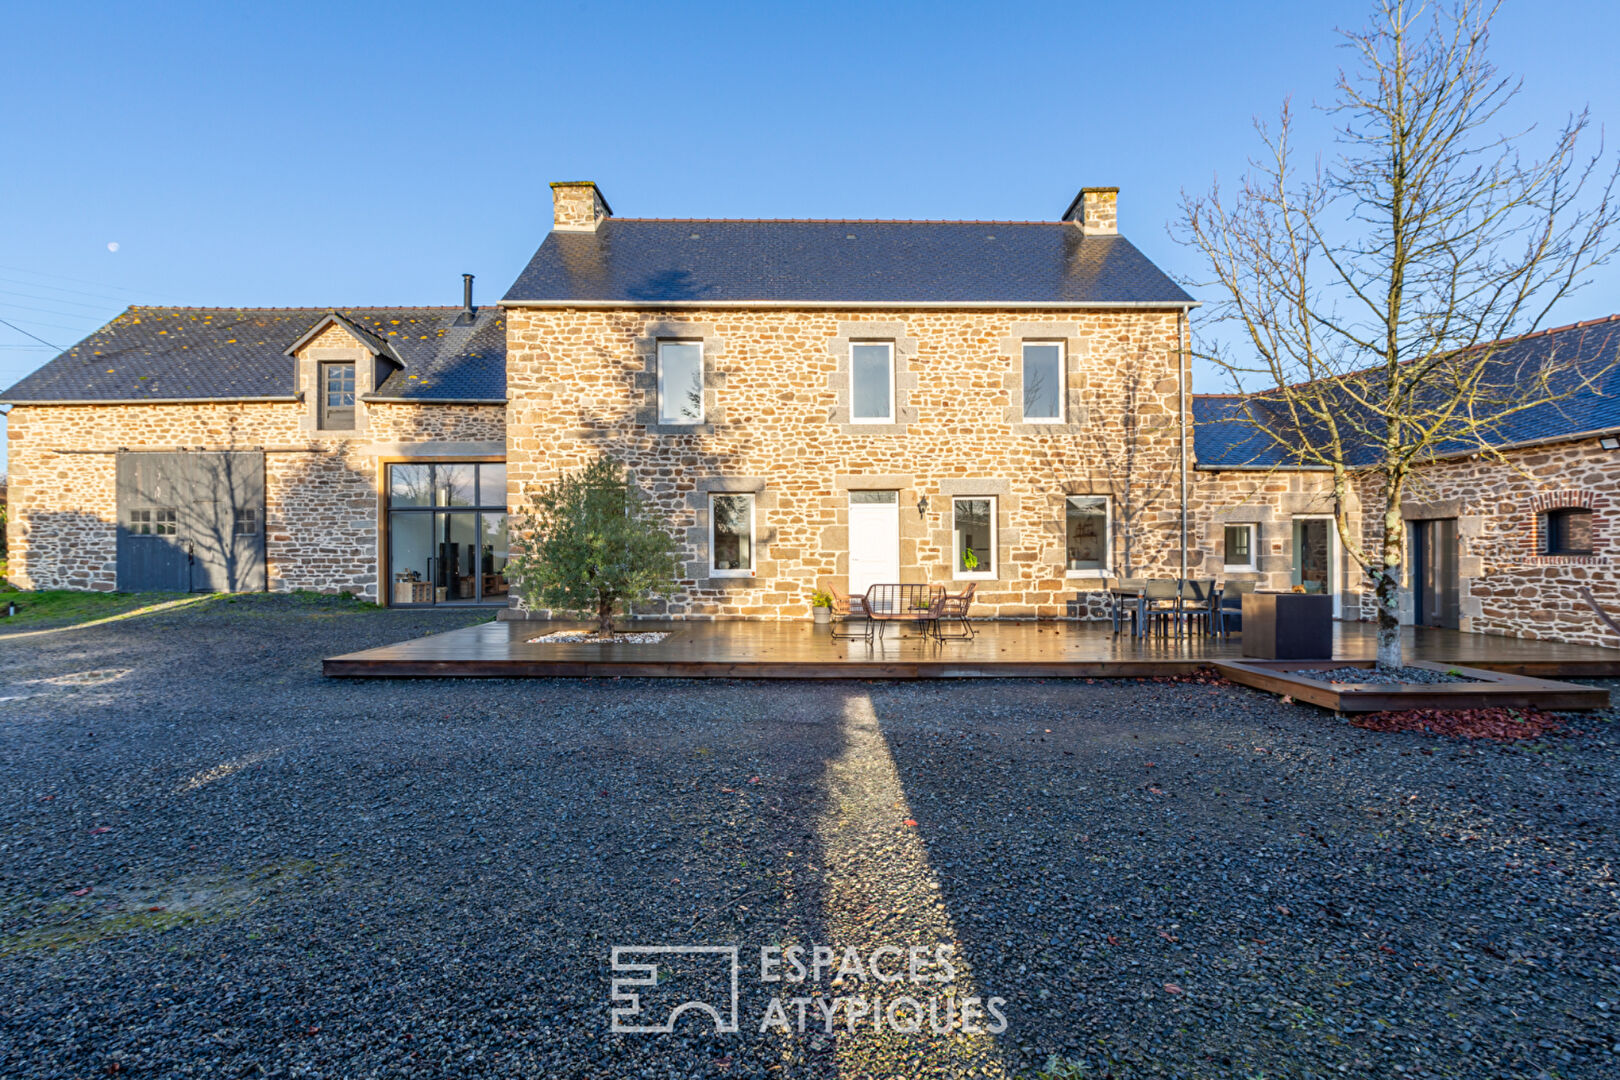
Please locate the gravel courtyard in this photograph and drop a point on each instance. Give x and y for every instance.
(217, 863)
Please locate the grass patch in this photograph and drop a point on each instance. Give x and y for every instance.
(74, 921)
(49, 608)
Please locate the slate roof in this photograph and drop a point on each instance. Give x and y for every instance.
(152, 353)
(1223, 439)
(690, 262)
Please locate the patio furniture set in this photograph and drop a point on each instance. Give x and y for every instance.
(929, 607)
(1172, 607)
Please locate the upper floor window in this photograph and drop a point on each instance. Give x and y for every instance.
(337, 396)
(1043, 382)
(1239, 553)
(731, 535)
(680, 382)
(1569, 531)
(871, 377)
(1085, 534)
(973, 537)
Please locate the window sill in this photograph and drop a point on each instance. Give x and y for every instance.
(975, 577)
(1245, 568)
(731, 573)
(1098, 573)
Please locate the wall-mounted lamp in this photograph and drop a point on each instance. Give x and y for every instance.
(922, 504)
(1610, 442)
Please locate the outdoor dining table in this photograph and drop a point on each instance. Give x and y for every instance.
(1126, 598)
(1119, 596)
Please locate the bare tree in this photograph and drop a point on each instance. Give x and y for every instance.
(1126, 451)
(1136, 467)
(1371, 298)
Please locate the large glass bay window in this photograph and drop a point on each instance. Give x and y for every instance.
(447, 541)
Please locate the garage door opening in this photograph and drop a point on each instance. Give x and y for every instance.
(191, 522)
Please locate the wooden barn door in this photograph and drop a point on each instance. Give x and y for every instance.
(191, 522)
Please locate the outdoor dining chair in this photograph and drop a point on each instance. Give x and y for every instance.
(1199, 604)
(1231, 609)
(954, 606)
(845, 611)
(1124, 604)
(1161, 605)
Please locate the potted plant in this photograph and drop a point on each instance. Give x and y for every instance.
(821, 606)
(970, 561)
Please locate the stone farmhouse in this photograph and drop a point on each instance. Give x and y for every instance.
(808, 403)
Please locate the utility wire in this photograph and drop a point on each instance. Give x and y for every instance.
(36, 337)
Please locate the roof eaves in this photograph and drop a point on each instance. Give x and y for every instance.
(876, 305)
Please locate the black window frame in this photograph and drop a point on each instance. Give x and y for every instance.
(1555, 530)
(485, 503)
(337, 417)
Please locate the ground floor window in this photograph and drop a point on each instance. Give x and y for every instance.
(731, 535)
(1239, 547)
(1568, 532)
(973, 537)
(1085, 534)
(447, 532)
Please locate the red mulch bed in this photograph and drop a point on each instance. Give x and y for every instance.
(1499, 725)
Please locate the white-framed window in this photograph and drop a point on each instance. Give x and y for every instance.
(1043, 382)
(1239, 547)
(680, 382)
(1087, 535)
(973, 536)
(871, 382)
(731, 535)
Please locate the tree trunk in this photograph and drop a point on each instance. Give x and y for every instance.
(604, 616)
(1388, 578)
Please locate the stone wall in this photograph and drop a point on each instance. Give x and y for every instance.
(322, 496)
(1270, 501)
(581, 383)
(1508, 585)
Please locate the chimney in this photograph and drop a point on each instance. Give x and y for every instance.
(578, 206)
(1095, 210)
(466, 295)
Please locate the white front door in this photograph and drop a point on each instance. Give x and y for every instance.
(874, 539)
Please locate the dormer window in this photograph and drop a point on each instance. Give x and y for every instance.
(337, 396)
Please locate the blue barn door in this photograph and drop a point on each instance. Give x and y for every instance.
(191, 522)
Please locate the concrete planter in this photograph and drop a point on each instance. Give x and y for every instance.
(1288, 626)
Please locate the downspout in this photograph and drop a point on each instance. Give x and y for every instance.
(1181, 389)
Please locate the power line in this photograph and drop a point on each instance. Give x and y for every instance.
(78, 281)
(36, 337)
(97, 306)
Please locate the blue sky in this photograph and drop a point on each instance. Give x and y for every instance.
(346, 154)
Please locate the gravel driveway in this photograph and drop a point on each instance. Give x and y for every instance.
(290, 876)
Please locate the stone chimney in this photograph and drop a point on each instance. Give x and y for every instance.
(1095, 210)
(578, 206)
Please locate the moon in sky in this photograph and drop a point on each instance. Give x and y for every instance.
(113, 246)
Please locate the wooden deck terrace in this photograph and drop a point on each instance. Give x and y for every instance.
(800, 650)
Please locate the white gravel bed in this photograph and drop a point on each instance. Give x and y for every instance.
(588, 637)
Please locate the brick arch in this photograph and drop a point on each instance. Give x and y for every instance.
(1560, 500)
(1534, 539)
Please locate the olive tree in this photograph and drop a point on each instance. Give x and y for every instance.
(589, 544)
